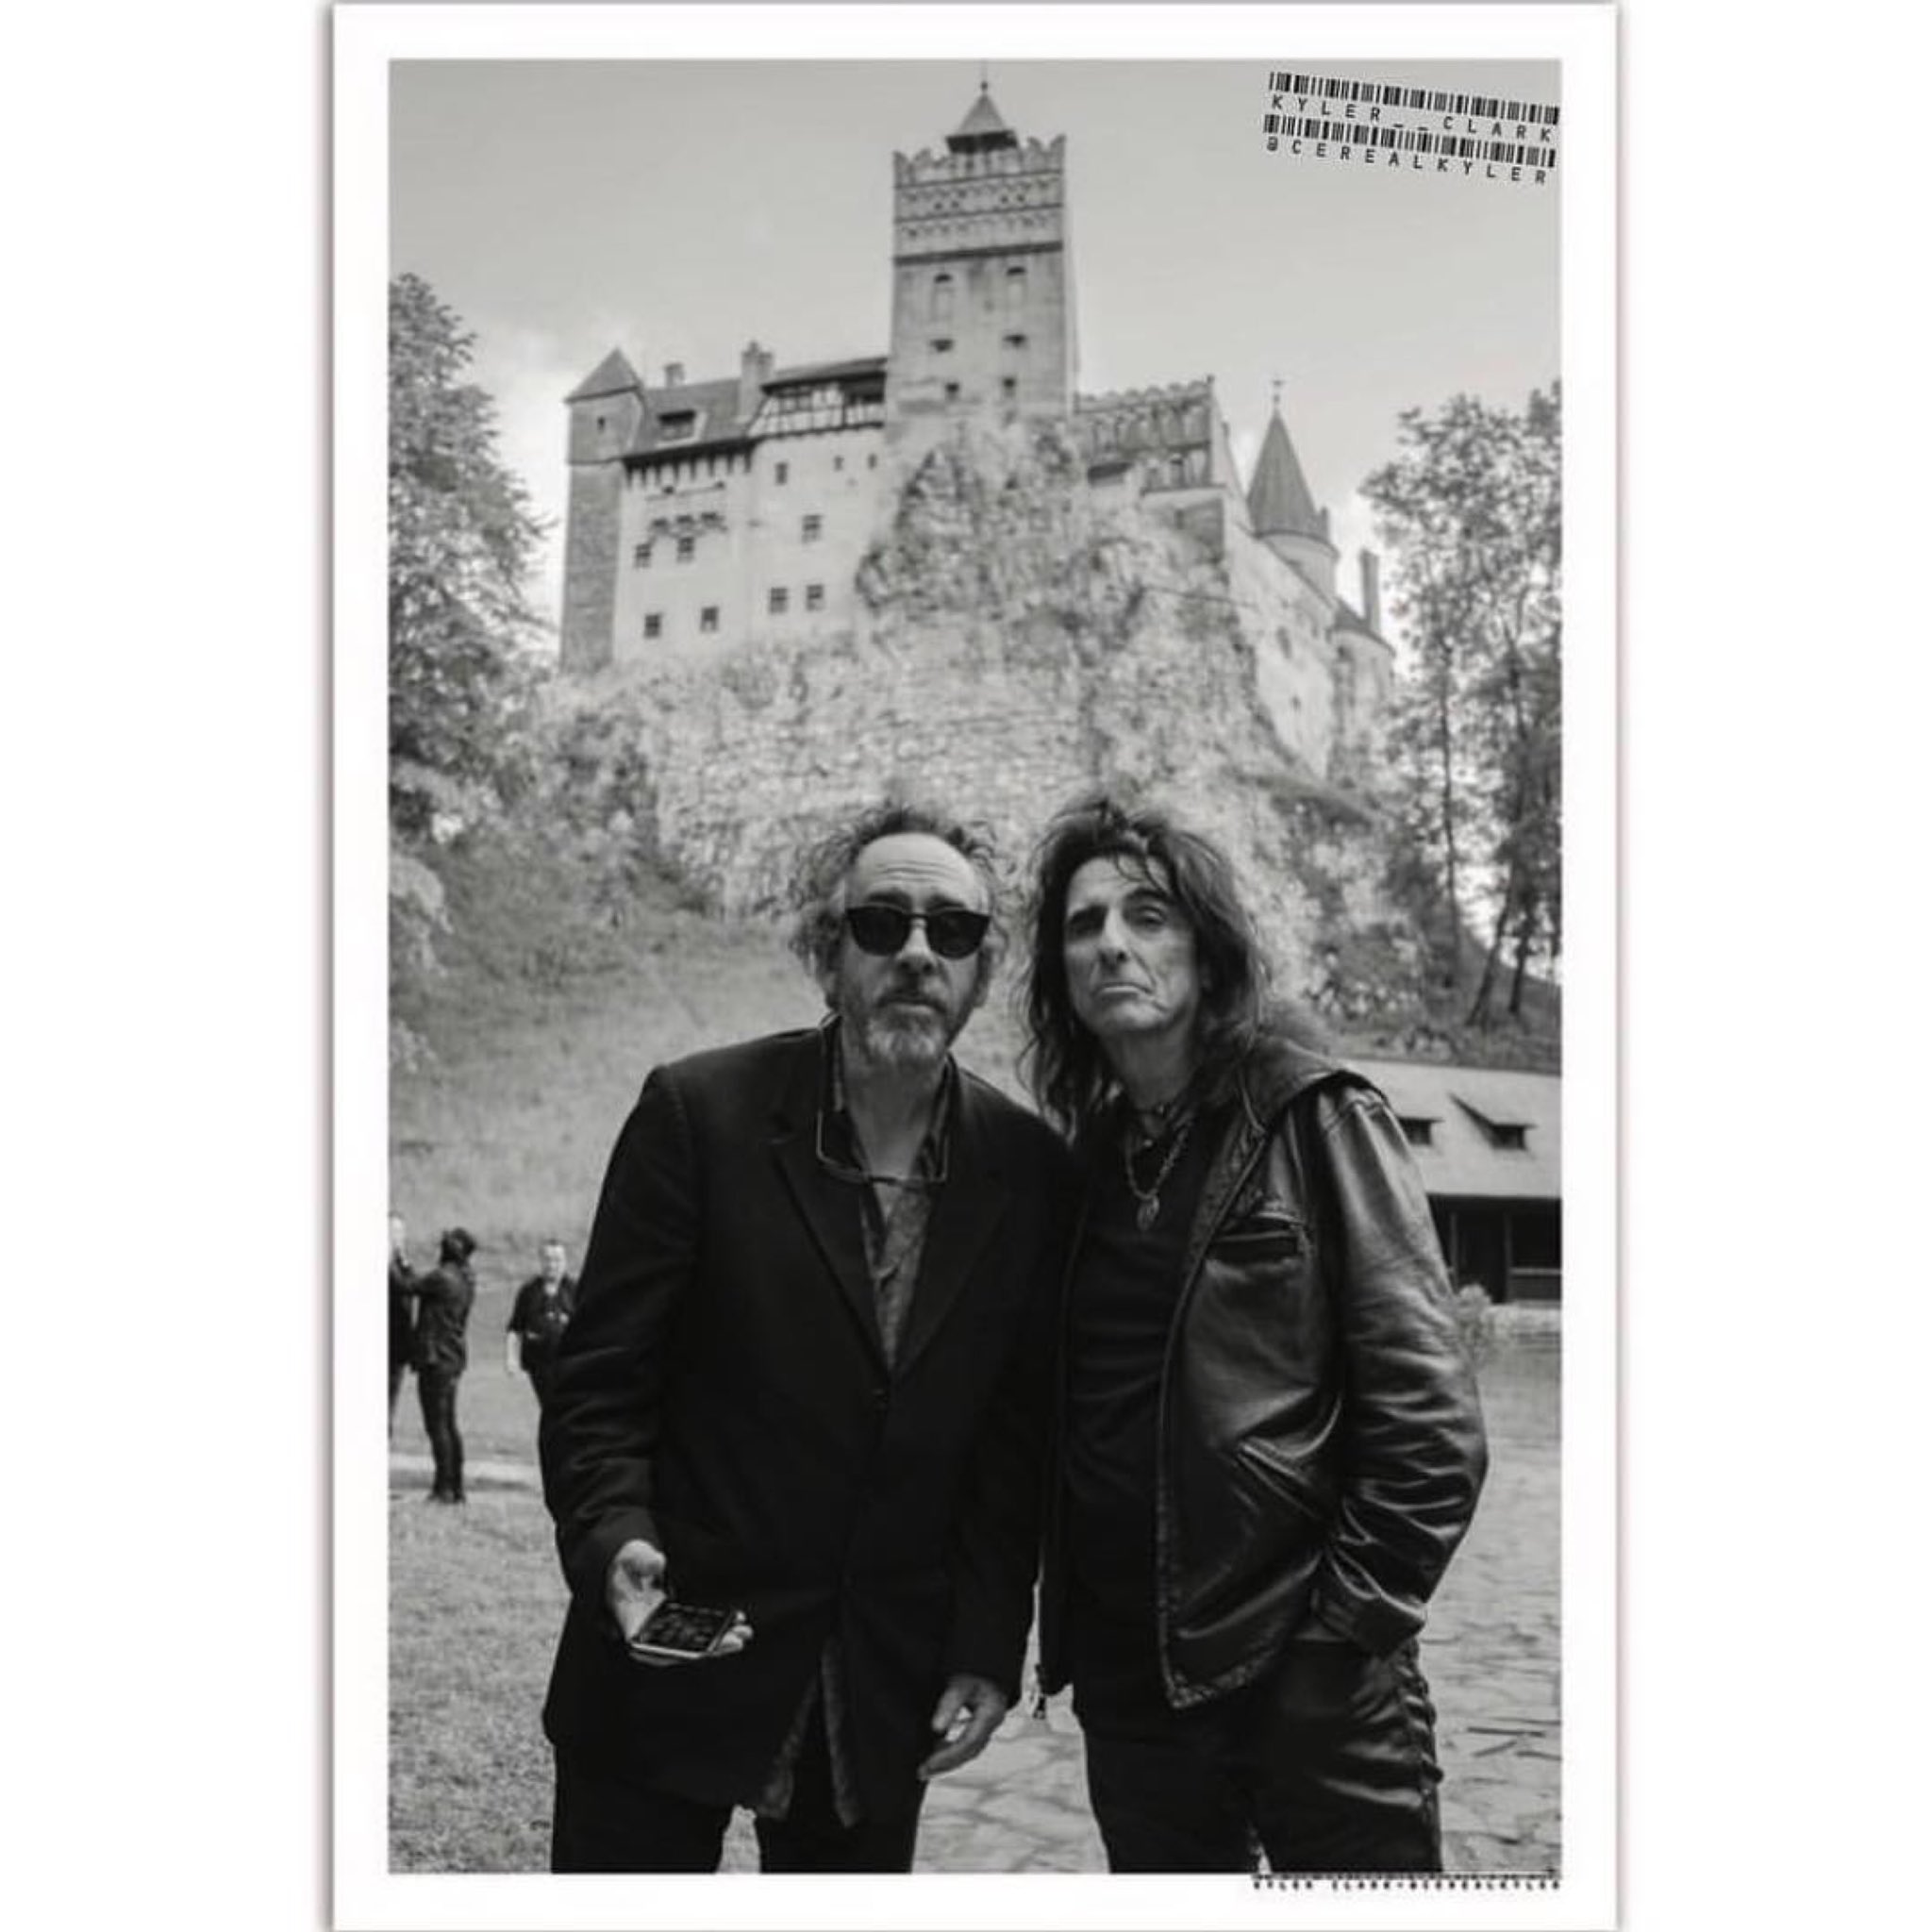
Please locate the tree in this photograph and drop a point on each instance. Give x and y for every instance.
(461, 539)
(1472, 510)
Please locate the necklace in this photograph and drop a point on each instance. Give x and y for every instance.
(1148, 1199)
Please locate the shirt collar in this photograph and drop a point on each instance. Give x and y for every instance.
(832, 1103)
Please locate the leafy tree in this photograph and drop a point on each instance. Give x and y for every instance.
(462, 541)
(462, 538)
(1472, 510)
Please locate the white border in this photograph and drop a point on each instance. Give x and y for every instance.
(1583, 38)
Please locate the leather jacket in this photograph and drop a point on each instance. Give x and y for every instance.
(1320, 1443)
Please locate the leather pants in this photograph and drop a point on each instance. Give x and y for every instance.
(1327, 1764)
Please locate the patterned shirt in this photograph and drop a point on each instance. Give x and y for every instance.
(896, 1214)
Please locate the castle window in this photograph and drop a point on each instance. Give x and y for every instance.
(687, 549)
(1013, 342)
(640, 556)
(942, 345)
(654, 623)
(1016, 287)
(838, 462)
(872, 462)
(810, 528)
(781, 472)
(707, 617)
(814, 596)
(776, 599)
(1009, 387)
(1177, 470)
(952, 392)
(941, 297)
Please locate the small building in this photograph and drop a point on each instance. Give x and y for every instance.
(1488, 1142)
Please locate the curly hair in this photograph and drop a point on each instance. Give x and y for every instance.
(1063, 1063)
(818, 892)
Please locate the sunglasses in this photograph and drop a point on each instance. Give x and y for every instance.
(951, 931)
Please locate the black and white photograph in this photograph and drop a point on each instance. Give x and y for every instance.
(974, 965)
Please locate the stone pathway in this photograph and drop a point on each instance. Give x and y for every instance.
(1491, 1653)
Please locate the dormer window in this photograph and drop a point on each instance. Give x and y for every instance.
(678, 427)
(1418, 1131)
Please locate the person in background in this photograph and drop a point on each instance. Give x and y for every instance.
(538, 1318)
(402, 1313)
(445, 1297)
(1270, 1441)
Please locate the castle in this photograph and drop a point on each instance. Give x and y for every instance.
(704, 515)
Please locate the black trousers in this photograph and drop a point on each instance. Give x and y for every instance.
(601, 1826)
(1327, 1765)
(437, 1390)
(538, 1374)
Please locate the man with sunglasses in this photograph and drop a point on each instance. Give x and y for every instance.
(806, 1386)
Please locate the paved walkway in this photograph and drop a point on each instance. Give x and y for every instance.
(1490, 1654)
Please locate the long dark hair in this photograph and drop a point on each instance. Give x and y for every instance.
(1069, 1075)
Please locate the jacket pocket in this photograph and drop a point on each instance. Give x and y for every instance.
(1282, 1476)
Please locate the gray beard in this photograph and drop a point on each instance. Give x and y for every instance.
(901, 1039)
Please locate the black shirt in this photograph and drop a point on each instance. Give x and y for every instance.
(443, 1326)
(538, 1319)
(1125, 1285)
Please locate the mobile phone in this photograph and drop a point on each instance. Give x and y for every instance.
(682, 1630)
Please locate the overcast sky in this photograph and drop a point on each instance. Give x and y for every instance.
(678, 208)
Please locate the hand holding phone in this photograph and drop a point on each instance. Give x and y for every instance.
(681, 1633)
(655, 1629)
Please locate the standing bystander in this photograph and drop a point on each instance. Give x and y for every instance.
(538, 1318)
(442, 1353)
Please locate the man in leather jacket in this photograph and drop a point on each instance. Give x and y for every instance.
(1269, 1439)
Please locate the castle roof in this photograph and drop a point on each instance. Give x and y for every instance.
(1348, 618)
(981, 128)
(1279, 502)
(612, 376)
(712, 407)
(826, 372)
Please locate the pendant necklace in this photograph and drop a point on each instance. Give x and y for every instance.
(1148, 1199)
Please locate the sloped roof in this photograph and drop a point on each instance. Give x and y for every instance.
(713, 404)
(1464, 1162)
(1279, 502)
(1348, 618)
(826, 372)
(610, 377)
(982, 126)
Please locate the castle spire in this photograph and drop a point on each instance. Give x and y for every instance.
(1280, 500)
(982, 128)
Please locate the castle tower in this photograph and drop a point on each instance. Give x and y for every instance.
(982, 287)
(1282, 512)
(605, 410)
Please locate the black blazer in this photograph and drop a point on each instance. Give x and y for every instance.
(723, 1393)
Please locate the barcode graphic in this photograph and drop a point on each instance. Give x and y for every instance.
(1461, 147)
(1387, 94)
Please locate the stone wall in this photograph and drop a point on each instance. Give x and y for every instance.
(1020, 636)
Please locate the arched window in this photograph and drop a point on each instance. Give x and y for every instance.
(942, 297)
(1016, 287)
